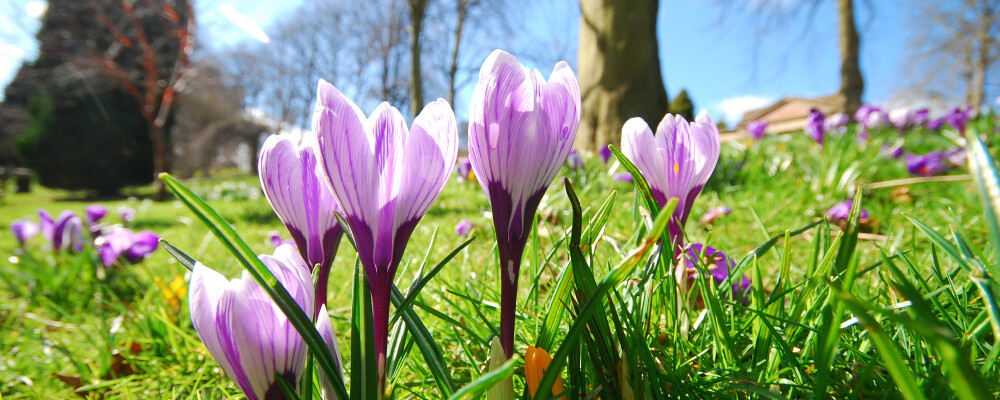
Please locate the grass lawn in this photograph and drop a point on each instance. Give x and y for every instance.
(129, 335)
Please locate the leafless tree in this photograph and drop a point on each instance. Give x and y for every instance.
(955, 50)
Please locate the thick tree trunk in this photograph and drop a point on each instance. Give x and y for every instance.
(852, 84)
(619, 69)
(417, 9)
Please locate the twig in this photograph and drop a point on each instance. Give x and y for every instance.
(910, 181)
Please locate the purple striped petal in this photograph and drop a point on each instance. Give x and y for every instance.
(292, 184)
(46, 223)
(325, 328)
(245, 331)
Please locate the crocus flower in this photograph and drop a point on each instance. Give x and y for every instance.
(935, 123)
(919, 117)
(930, 164)
(536, 362)
(622, 177)
(862, 113)
(900, 118)
(247, 333)
(463, 168)
(463, 227)
(676, 162)
(143, 244)
(719, 266)
(713, 214)
(296, 190)
(127, 214)
(890, 150)
(875, 119)
(23, 230)
(815, 127)
(956, 156)
(836, 123)
(94, 213)
(574, 161)
(841, 212)
(46, 224)
(521, 129)
(122, 241)
(277, 241)
(958, 118)
(68, 232)
(605, 153)
(757, 129)
(384, 177)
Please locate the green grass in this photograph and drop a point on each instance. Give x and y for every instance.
(57, 317)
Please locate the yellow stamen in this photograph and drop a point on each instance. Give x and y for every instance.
(677, 168)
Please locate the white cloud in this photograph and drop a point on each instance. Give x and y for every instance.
(734, 107)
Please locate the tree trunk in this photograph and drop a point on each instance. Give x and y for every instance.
(417, 9)
(462, 10)
(852, 84)
(619, 69)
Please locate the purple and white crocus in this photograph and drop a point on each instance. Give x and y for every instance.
(298, 193)
(676, 162)
(816, 125)
(521, 130)
(247, 333)
(67, 233)
(122, 241)
(384, 176)
(757, 129)
(23, 230)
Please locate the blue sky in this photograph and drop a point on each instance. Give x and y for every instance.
(710, 56)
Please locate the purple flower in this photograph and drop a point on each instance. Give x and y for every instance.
(462, 168)
(68, 232)
(713, 214)
(676, 162)
(956, 156)
(958, 118)
(463, 227)
(143, 244)
(521, 129)
(836, 123)
(622, 177)
(384, 177)
(247, 333)
(920, 117)
(605, 153)
(935, 123)
(757, 129)
(94, 213)
(876, 119)
(277, 241)
(815, 125)
(841, 212)
(719, 266)
(862, 113)
(46, 224)
(930, 164)
(127, 214)
(23, 230)
(890, 150)
(574, 161)
(900, 118)
(135, 246)
(296, 190)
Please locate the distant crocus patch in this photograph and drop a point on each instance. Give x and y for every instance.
(127, 214)
(757, 129)
(95, 212)
(605, 153)
(841, 212)
(622, 177)
(958, 118)
(463, 168)
(900, 118)
(464, 227)
(836, 123)
(574, 161)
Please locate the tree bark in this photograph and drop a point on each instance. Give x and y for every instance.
(417, 10)
(619, 69)
(462, 11)
(852, 84)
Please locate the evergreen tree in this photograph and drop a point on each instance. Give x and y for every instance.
(683, 106)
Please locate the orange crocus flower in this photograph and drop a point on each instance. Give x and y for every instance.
(536, 361)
